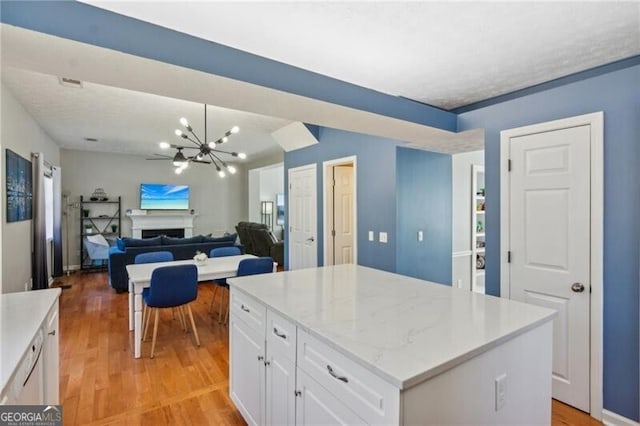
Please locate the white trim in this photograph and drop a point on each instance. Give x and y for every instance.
(595, 121)
(353, 159)
(462, 253)
(613, 419)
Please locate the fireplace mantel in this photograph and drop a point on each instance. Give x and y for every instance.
(163, 220)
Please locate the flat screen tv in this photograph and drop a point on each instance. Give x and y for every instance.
(158, 196)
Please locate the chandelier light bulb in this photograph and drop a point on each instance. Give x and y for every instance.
(184, 165)
(221, 173)
(178, 132)
(212, 144)
(235, 129)
(224, 139)
(184, 122)
(242, 155)
(164, 145)
(231, 169)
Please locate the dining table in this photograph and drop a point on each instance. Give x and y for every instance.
(140, 278)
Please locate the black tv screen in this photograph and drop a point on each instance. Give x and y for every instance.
(157, 196)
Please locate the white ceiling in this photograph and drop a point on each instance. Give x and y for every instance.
(444, 54)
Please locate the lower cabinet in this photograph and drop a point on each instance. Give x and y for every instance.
(317, 406)
(265, 383)
(246, 370)
(51, 358)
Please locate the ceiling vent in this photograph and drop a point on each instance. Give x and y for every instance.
(91, 139)
(70, 82)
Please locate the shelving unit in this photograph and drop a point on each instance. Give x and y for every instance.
(101, 217)
(478, 222)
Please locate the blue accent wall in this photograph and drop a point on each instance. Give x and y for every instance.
(618, 95)
(99, 27)
(424, 197)
(376, 186)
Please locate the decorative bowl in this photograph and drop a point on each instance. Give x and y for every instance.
(201, 259)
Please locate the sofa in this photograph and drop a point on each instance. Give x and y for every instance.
(258, 240)
(126, 249)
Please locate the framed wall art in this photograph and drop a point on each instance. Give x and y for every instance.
(19, 187)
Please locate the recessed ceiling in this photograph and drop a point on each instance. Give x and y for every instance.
(446, 54)
(131, 122)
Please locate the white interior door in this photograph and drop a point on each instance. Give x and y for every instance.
(343, 215)
(303, 251)
(549, 222)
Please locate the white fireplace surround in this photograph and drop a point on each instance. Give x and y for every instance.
(141, 221)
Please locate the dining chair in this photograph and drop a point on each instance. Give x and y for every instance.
(172, 287)
(253, 266)
(155, 257)
(221, 282)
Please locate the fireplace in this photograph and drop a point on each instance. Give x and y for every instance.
(161, 224)
(168, 232)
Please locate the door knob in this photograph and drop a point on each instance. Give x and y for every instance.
(577, 287)
(311, 239)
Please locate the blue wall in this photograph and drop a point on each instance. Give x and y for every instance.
(376, 186)
(424, 191)
(618, 95)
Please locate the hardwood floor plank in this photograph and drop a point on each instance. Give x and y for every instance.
(102, 384)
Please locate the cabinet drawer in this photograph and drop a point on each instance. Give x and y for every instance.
(249, 310)
(371, 398)
(281, 335)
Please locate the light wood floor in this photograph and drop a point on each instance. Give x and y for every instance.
(102, 384)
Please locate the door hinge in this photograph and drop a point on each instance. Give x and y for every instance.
(333, 183)
(333, 232)
(289, 186)
(509, 257)
(509, 165)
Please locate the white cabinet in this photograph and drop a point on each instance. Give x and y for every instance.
(246, 370)
(317, 406)
(280, 389)
(51, 357)
(478, 231)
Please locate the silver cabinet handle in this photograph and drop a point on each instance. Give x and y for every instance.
(334, 375)
(52, 333)
(577, 287)
(277, 333)
(244, 308)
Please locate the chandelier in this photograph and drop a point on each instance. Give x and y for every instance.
(207, 152)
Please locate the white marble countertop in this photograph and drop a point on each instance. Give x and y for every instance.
(21, 315)
(404, 329)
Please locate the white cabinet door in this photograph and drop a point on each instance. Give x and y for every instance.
(51, 358)
(281, 386)
(316, 406)
(246, 371)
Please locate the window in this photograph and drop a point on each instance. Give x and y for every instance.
(48, 205)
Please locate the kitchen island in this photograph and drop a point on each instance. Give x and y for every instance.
(355, 345)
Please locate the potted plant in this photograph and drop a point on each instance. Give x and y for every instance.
(85, 212)
(88, 229)
(114, 228)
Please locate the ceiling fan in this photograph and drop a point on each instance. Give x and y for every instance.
(207, 151)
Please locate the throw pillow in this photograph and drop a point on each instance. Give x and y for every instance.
(170, 241)
(142, 242)
(120, 244)
(227, 238)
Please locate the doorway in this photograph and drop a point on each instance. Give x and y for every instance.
(340, 215)
(551, 243)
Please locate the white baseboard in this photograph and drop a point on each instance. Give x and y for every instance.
(613, 419)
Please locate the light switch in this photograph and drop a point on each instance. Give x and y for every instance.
(420, 235)
(383, 237)
(370, 235)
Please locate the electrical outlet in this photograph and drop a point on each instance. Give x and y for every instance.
(370, 235)
(420, 235)
(383, 237)
(501, 397)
